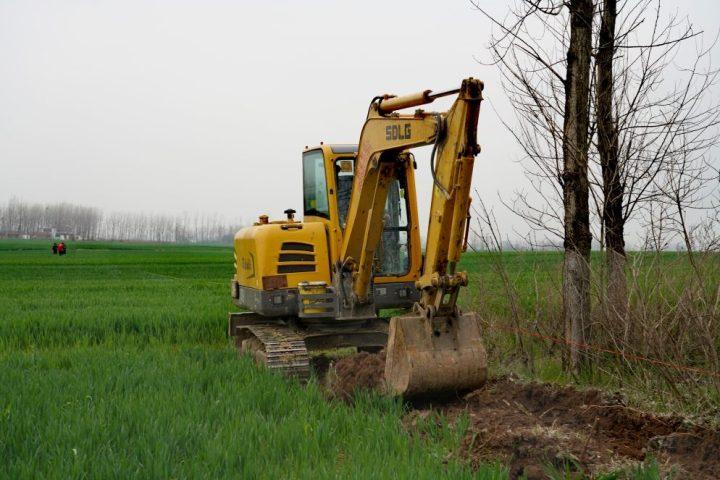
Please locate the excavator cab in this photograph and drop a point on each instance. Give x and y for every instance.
(328, 175)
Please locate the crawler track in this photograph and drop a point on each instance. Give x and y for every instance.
(279, 348)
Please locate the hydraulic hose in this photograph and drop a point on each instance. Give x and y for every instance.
(438, 138)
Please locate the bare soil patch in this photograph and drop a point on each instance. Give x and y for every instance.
(361, 371)
(531, 425)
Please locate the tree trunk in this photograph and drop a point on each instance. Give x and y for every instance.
(613, 220)
(576, 268)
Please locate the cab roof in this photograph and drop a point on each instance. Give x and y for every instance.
(336, 147)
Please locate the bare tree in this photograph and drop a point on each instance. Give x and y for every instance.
(654, 120)
(607, 146)
(650, 117)
(554, 109)
(577, 241)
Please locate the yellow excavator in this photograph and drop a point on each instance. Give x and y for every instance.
(320, 283)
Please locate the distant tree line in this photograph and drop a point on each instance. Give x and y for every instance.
(23, 219)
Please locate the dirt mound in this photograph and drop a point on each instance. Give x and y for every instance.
(695, 451)
(364, 371)
(532, 425)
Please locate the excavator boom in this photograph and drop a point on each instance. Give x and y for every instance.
(436, 347)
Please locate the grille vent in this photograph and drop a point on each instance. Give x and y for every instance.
(293, 259)
(303, 247)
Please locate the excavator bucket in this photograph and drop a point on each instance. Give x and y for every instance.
(437, 356)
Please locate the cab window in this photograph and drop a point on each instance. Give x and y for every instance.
(344, 173)
(393, 255)
(315, 197)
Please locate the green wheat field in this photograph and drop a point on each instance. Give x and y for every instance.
(114, 363)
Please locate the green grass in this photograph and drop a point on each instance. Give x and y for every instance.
(114, 364)
(663, 287)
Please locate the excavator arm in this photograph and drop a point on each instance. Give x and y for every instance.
(385, 136)
(436, 347)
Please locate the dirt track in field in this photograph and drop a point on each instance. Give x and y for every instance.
(530, 426)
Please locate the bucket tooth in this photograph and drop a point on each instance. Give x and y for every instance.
(438, 356)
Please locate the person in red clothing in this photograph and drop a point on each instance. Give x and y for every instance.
(62, 250)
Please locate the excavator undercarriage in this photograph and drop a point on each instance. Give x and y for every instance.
(283, 345)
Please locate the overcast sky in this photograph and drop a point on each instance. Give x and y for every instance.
(183, 106)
